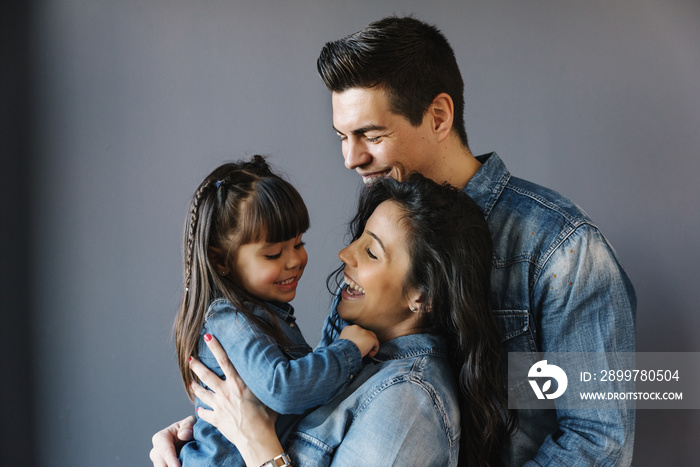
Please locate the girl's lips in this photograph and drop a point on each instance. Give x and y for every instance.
(288, 284)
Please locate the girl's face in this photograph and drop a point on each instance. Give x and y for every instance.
(376, 265)
(271, 271)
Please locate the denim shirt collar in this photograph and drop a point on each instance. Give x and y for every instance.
(488, 183)
(412, 345)
(283, 311)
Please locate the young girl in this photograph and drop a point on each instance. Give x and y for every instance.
(244, 256)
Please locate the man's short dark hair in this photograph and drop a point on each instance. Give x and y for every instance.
(411, 60)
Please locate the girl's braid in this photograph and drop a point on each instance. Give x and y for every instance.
(191, 230)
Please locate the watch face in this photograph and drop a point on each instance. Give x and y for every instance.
(282, 460)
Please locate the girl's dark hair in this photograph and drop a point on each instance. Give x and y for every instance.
(449, 244)
(238, 203)
(411, 60)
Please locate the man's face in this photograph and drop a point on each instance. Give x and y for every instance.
(377, 142)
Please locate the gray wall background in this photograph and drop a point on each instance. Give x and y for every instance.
(128, 104)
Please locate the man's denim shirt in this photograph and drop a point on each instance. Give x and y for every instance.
(557, 286)
(401, 409)
(289, 380)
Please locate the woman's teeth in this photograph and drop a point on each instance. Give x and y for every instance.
(353, 286)
(287, 282)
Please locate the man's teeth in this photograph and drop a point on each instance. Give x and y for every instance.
(353, 285)
(374, 178)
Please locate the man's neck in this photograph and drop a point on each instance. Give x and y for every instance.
(456, 165)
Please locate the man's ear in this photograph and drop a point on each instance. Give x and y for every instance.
(217, 260)
(442, 114)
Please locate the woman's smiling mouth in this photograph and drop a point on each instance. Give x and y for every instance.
(353, 288)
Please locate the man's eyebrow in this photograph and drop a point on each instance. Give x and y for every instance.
(363, 130)
(373, 235)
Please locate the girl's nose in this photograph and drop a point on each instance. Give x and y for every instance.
(293, 260)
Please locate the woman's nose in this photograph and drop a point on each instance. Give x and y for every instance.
(345, 255)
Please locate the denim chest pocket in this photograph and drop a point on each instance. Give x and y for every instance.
(517, 335)
(292, 352)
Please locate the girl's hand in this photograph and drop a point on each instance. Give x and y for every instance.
(365, 340)
(236, 412)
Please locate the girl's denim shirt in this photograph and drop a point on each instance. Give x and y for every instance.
(289, 379)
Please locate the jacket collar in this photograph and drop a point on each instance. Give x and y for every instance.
(412, 345)
(488, 183)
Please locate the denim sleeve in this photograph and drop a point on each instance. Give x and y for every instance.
(586, 303)
(286, 386)
(333, 323)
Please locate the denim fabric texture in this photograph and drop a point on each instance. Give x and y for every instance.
(401, 409)
(290, 379)
(557, 286)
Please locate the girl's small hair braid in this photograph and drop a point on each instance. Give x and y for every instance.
(191, 229)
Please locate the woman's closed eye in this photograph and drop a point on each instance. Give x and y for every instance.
(299, 245)
(275, 256)
(370, 254)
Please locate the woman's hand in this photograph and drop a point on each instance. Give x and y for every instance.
(236, 412)
(167, 442)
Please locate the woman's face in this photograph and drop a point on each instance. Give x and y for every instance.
(376, 265)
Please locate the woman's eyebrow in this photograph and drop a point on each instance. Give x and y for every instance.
(381, 244)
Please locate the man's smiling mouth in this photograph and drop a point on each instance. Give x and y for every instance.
(374, 177)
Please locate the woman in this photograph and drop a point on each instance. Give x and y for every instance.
(416, 274)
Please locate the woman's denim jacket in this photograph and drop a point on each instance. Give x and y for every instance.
(401, 409)
(557, 286)
(289, 380)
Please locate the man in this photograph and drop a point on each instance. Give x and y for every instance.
(557, 285)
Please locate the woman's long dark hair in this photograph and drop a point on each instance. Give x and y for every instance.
(450, 249)
(238, 203)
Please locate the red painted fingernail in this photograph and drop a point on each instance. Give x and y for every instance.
(207, 337)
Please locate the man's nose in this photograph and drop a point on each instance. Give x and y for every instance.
(356, 155)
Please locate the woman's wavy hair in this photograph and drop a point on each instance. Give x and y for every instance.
(238, 203)
(449, 244)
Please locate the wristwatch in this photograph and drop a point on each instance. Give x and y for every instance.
(282, 460)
